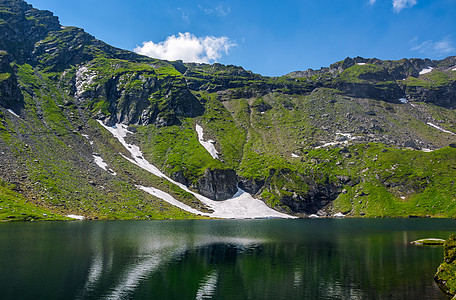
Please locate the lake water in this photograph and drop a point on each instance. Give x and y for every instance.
(221, 259)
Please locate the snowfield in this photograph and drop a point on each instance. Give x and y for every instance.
(426, 70)
(76, 217)
(440, 128)
(241, 206)
(208, 145)
(102, 164)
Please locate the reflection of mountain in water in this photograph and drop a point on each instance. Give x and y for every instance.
(220, 259)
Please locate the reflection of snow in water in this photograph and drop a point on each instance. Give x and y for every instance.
(133, 277)
(208, 286)
(242, 205)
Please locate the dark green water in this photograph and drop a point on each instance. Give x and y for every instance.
(221, 259)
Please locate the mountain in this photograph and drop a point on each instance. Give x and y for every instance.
(364, 137)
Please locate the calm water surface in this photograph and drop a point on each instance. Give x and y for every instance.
(221, 259)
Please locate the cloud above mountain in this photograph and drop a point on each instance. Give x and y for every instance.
(188, 48)
(399, 5)
(440, 48)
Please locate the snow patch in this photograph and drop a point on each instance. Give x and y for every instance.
(208, 145)
(361, 64)
(170, 199)
(102, 164)
(76, 217)
(440, 128)
(426, 70)
(403, 100)
(426, 150)
(339, 215)
(314, 216)
(454, 69)
(241, 206)
(12, 112)
(294, 155)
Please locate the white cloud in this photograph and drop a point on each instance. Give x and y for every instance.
(221, 9)
(439, 48)
(399, 5)
(372, 2)
(187, 47)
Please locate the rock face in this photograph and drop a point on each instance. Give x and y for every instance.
(10, 94)
(217, 184)
(446, 273)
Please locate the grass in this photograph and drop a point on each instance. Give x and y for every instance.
(446, 273)
(15, 207)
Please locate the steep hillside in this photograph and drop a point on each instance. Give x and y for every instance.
(363, 137)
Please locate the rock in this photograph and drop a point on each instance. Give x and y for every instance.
(428, 242)
(217, 184)
(411, 144)
(446, 272)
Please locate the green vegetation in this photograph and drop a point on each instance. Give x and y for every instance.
(432, 79)
(15, 207)
(310, 141)
(446, 273)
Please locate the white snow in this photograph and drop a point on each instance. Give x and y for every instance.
(314, 216)
(361, 64)
(345, 142)
(13, 113)
(241, 206)
(170, 199)
(294, 155)
(76, 217)
(426, 70)
(403, 100)
(339, 215)
(102, 164)
(440, 128)
(426, 150)
(454, 69)
(208, 145)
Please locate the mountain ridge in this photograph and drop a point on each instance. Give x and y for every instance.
(364, 137)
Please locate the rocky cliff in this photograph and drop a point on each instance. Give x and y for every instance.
(446, 273)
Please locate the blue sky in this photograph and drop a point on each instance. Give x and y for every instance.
(268, 37)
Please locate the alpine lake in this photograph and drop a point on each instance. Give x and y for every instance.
(222, 259)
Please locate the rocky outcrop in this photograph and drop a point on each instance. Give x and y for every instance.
(441, 95)
(23, 26)
(385, 91)
(217, 184)
(10, 94)
(446, 273)
(139, 97)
